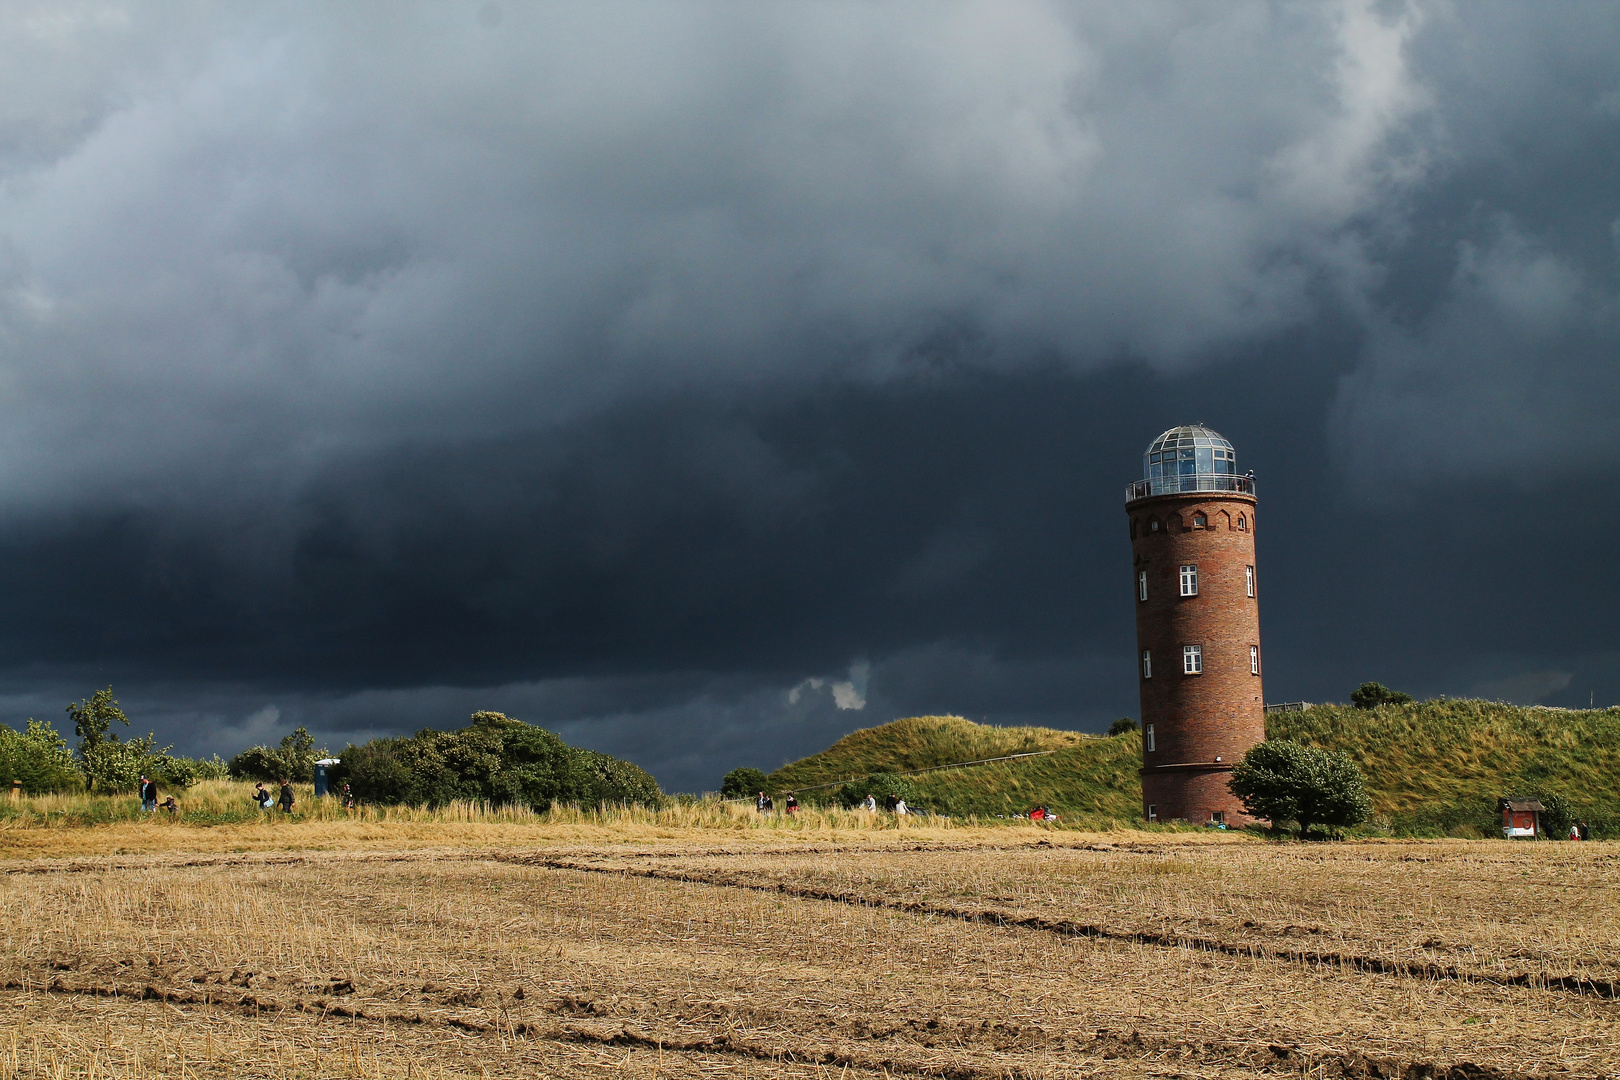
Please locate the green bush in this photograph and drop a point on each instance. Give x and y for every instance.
(1123, 726)
(39, 757)
(742, 783)
(1283, 781)
(494, 759)
(884, 787)
(293, 760)
(1370, 695)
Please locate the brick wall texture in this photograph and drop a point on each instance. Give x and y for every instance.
(1204, 723)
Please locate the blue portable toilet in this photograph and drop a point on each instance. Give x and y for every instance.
(320, 774)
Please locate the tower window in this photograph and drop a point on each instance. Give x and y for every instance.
(1200, 521)
(1243, 524)
(1218, 816)
(1147, 664)
(1254, 659)
(1141, 585)
(1153, 812)
(1153, 526)
(1248, 580)
(1189, 581)
(1192, 659)
(1148, 742)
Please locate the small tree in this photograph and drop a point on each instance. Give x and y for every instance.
(1123, 726)
(93, 719)
(1370, 695)
(742, 783)
(1282, 781)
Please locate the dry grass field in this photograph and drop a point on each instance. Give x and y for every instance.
(821, 948)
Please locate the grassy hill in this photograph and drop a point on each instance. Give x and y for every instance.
(1431, 767)
(1089, 777)
(1439, 766)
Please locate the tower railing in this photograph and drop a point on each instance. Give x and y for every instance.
(1177, 485)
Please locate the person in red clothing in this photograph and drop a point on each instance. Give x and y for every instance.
(792, 803)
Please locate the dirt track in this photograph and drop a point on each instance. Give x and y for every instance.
(704, 958)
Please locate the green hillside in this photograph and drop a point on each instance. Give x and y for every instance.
(1439, 766)
(1432, 767)
(1088, 777)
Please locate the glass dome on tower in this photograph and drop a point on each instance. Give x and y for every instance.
(1189, 458)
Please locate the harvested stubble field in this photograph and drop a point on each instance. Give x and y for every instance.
(584, 950)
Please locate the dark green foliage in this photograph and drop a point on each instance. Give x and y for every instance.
(1558, 815)
(39, 757)
(884, 787)
(1282, 781)
(103, 762)
(494, 759)
(1123, 726)
(293, 760)
(742, 783)
(1370, 695)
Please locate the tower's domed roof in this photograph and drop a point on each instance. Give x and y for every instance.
(1189, 458)
(1190, 437)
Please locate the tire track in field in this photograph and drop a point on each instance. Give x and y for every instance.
(1376, 965)
(1104, 1046)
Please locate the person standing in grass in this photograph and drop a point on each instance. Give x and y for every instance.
(792, 803)
(870, 805)
(149, 795)
(286, 797)
(1586, 834)
(261, 796)
(760, 802)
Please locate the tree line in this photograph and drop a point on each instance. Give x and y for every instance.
(494, 759)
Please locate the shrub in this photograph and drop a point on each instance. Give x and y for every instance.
(111, 765)
(1123, 726)
(742, 783)
(884, 787)
(1285, 781)
(39, 757)
(1370, 695)
(293, 760)
(495, 759)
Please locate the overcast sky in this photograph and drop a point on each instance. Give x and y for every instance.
(705, 381)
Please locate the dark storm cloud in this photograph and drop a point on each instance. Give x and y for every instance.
(705, 379)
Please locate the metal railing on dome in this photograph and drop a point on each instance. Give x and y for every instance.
(1176, 485)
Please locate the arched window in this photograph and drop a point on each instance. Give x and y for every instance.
(1200, 521)
(1153, 525)
(1243, 524)
(1223, 520)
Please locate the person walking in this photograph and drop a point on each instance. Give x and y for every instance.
(261, 796)
(900, 808)
(792, 803)
(149, 794)
(1574, 832)
(870, 805)
(286, 799)
(760, 802)
(348, 797)
(1586, 834)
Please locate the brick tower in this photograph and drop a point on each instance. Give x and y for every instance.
(1197, 624)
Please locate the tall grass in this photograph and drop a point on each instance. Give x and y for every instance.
(1438, 767)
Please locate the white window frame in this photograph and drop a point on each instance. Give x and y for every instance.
(1189, 579)
(1149, 742)
(1192, 659)
(1153, 812)
(1218, 816)
(1147, 663)
(1248, 580)
(1141, 584)
(1254, 659)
